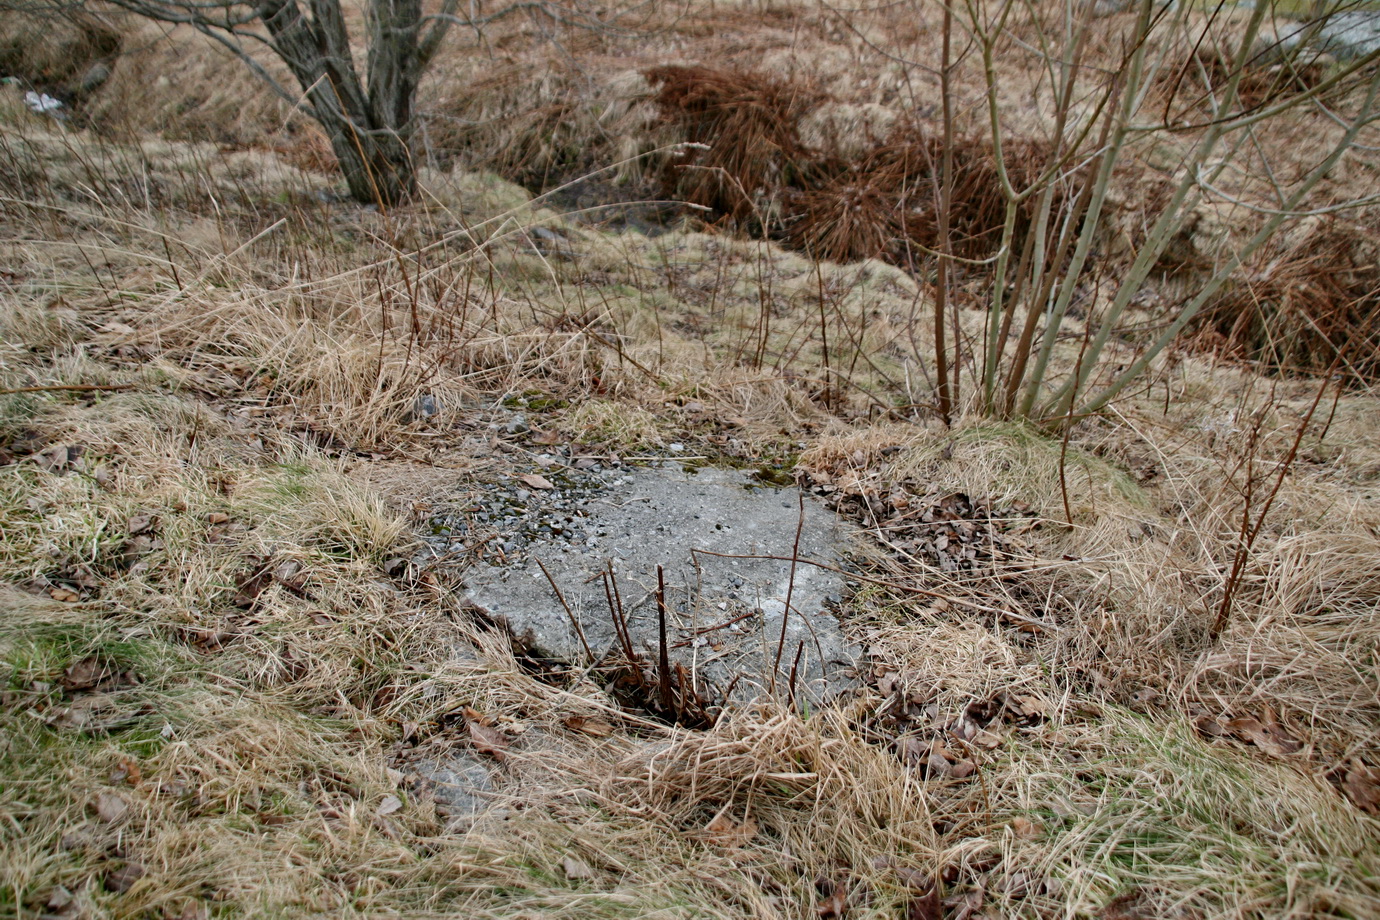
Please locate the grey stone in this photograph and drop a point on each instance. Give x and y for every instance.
(460, 784)
(735, 605)
(1344, 35)
(425, 406)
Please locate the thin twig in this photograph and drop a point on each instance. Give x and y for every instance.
(790, 588)
(579, 630)
(663, 661)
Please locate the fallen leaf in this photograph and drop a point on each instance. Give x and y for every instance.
(1362, 786)
(547, 438)
(1025, 828)
(85, 674)
(60, 899)
(127, 772)
(575, 868)
(1210, 726)
(596, 728)
(1019, 884)
(833, 899)
(925, 906)
(123, 878)
(911, 878)
(59, 459)
(141, 523)
(287, 570)
(389, 805)
(1269, 738)
(250, 585)
(966, 904)
(80, 838)
(487, 740)
(110, 807)
(986, 739)
(913, 751)
(536, 482)
(724, 832)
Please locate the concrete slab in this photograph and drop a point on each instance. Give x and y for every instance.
(725, 623)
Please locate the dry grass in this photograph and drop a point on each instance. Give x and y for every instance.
(219, 667)
(1309, 308)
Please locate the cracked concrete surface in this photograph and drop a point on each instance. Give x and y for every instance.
(726, 613)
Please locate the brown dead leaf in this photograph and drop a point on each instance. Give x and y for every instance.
(576, 868)
(85, 674)
(833, 898)
(927, 906)
(91, 712)
(1025, 828)
(546, 438)
(1210, 726)
(1019, 884)
(1362, 786)
(986, 739)
(111, 807)
(60, 900)
(486, 739)
(141, 523)
(725, 832)
(596, 728)
(250, 585)
(918, 879)
(389, 805)
(536, 481)
(127, 772)
(965, 905)
(123, 878)
(962, 769)
(913, 751)
(1271, 738)
(59, 459)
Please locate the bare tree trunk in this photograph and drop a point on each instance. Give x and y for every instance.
(370, 128)
(377, 165)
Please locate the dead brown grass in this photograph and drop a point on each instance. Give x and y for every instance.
(1308, 307)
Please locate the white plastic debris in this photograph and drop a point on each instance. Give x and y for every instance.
(42, 102)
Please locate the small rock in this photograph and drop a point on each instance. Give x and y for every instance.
(425, 406)
(458, 784)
